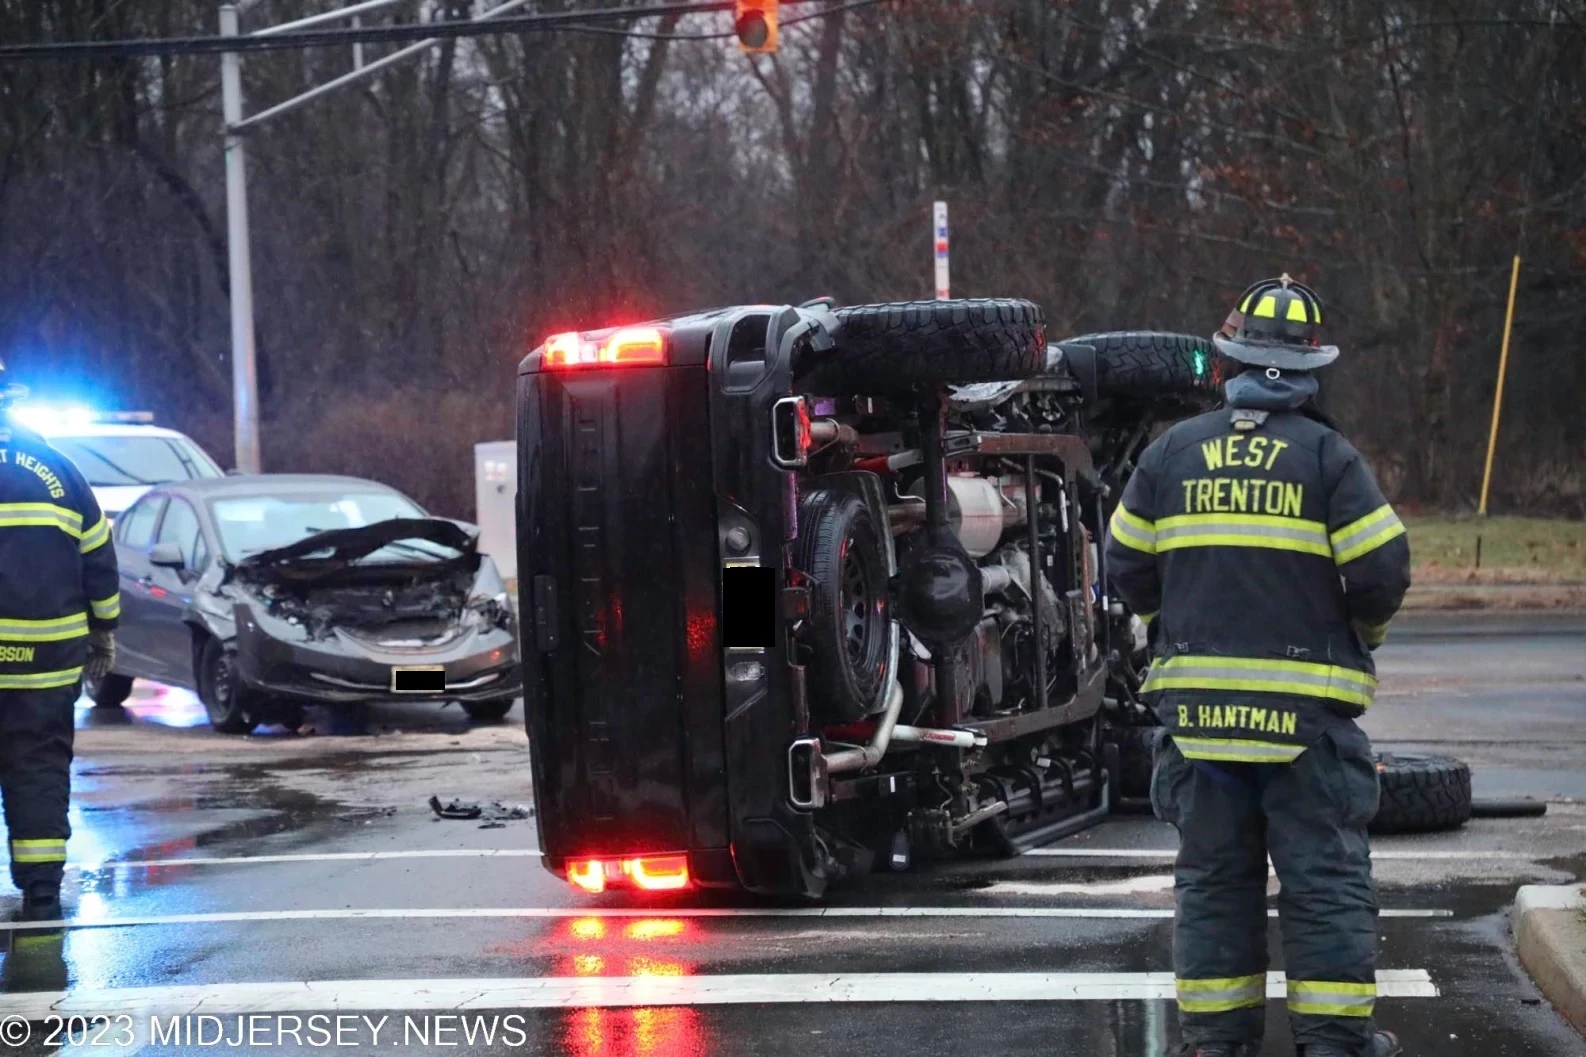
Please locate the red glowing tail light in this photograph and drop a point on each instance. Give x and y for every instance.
(628, 347)
(650, 873)
(588, 874)
(664, 873)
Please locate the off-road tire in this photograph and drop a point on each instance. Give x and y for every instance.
(840, 551)
(1421, 794)
(1148, 363)
(111, 691)
(224, 699)
(492, 711)
(913, 344)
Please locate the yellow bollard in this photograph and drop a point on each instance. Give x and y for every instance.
(1497, 398)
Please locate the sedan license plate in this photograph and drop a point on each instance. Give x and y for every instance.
(418, 679)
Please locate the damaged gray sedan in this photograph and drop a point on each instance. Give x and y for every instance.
(266, 593)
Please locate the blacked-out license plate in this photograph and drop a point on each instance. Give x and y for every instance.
(418, 679)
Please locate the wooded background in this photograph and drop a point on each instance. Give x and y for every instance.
(1126, 163)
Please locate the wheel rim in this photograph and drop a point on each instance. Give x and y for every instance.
(855, 599)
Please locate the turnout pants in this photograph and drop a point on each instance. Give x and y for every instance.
(35, 780)
(1310, 816)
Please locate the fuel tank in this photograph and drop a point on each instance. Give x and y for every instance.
(652, 534)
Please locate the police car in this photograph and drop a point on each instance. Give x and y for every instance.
(121, 453)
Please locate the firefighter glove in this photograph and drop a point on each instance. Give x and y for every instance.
(101, 654)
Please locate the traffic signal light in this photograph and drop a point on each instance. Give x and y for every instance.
(756, 24)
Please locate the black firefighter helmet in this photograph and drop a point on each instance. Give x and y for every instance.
(1275, 324)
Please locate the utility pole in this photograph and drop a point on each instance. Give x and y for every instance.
(244, 362)
(244, 368)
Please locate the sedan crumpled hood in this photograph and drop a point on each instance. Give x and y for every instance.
(347, 546)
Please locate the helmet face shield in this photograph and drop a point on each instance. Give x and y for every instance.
(1275, 324)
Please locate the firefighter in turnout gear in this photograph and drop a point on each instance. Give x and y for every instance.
(58, 607)
(1257, 544)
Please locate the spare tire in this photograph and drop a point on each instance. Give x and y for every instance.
(841, 552)
(910, 344)
(1421, 794)
(1148, 363)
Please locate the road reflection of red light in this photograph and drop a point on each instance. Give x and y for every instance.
(645, 1031)
(656, 967)
(655, 928)
(588, 928)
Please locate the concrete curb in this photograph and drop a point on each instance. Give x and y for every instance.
(1550, 938)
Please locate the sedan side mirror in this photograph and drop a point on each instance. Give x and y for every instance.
(167, 556)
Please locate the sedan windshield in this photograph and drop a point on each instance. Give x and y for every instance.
(249, 525)
(111, 462)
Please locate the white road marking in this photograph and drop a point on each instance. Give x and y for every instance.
(557, 992)
(338, 856)
(1168, 854)
(1153, 854)
(1126, 886)
(351, 914)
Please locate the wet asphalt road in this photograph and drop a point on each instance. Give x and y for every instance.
(270, 853)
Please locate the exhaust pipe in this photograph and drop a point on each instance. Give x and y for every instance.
(870, 755)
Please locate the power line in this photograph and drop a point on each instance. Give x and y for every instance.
(726, 35)
(402, 33)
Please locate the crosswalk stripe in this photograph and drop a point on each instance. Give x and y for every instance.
(370, 914)
(1387, 854)
(1153, 854)
(552, 992)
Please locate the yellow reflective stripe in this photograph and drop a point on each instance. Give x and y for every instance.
(46, 515)
(1133, 530)
(1243, 530)
(1267, 307)
(1372, 634)
(1387, 534)
(1263, 675)
(1329, 998)
(40, 680)
(1146, 618)
(1297, 312)
(1244, 306)
(54, 630)
(50, 849)
(95, 537)
(1236, 750)
(1222, 995)
(1366, 534)
(106, 608)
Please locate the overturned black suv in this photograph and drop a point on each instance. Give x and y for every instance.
(803, 587)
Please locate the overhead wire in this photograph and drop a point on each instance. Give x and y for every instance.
(406, 32)
(725, 35)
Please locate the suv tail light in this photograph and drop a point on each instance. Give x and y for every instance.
(628, 347)
(653, 873)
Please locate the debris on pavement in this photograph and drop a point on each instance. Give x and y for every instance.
(494, 814)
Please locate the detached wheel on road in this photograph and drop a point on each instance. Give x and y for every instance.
(219, 688)
(111, 691)
(907, 344)
(489, 711)
(1421, 794)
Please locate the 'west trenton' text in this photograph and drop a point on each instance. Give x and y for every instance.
(1234, 495)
